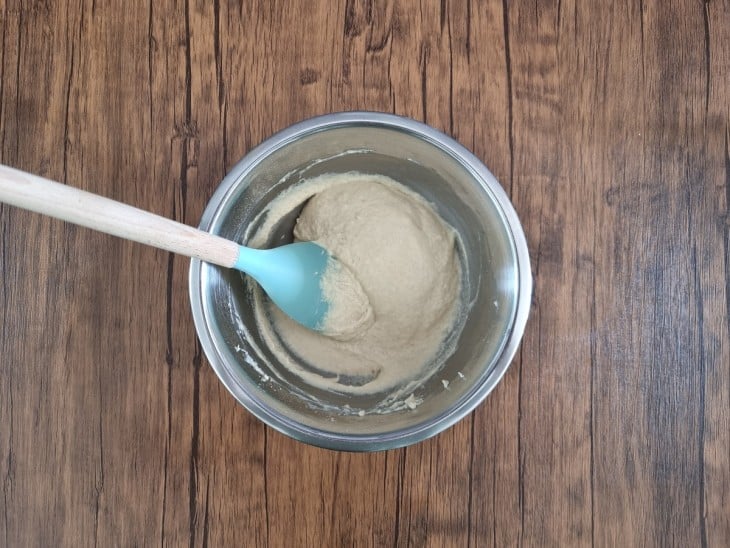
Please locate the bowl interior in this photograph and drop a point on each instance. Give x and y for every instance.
(462, 196)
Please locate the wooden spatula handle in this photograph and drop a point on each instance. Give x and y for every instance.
(83, 208)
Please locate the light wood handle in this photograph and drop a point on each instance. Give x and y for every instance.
(90, 210)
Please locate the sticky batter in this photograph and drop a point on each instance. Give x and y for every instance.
(404, 256)
(349, 311)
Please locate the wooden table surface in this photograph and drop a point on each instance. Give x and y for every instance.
(608, 123)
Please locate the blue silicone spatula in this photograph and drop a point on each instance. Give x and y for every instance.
(291, 274)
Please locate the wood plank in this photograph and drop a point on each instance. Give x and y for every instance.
(711, 264)
(551, 195)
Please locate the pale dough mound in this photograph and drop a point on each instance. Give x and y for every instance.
(404, 257)
(350, 312)
(399, 250)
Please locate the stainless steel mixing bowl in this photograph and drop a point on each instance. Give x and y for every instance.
(497, 281)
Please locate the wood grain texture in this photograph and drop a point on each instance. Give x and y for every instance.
(608, 123)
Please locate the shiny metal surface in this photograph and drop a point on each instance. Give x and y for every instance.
(497, 278)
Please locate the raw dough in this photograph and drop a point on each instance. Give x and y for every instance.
(405, 258)
(350, 312)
